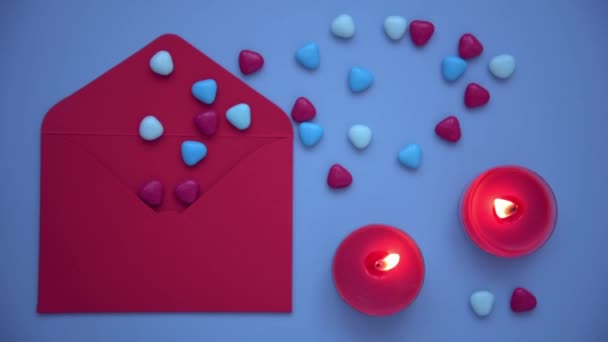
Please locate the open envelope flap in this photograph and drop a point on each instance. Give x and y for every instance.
(115, 103)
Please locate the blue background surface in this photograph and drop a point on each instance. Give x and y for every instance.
(551, 116)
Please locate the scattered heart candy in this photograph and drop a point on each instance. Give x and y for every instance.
(469, 46)
(206, 122)
(395, 27)
(476, 95)
(421, 31)
(502, 66)
(453, 67)
(205, 91)
(343, 26)
(187, 191)
(150, 128)
(151, 193)
(338, 177)
(308, 56)
(310, 133)
(449, 129)
(193, 152)
(162, 63)
(522, 300)
(410, 156)
(239, 116)
(303, 110)
(482, 303)
(360, 136)
(250, 61)
(359, 79)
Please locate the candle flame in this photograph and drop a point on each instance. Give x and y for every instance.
(388, 263)
(504, 208)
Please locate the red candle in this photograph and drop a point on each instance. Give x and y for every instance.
(378, 270)
(509, 211)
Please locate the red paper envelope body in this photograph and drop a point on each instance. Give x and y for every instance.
(102, 249)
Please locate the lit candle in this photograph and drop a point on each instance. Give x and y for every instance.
(378, 270)
(509, 211)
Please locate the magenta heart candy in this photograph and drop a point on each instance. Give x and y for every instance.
(187, 192)
(206, 122)
(151, 193)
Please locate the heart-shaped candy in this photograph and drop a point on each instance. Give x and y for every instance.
(482, 303)
(469, 46)
(193, 152)
(395, 27)
(421, 31)
(359, 79)
(250, 61)
(206, 122)
(502, 66)
(522, 300)
(151, 193)
(360, 136)
(205, 91)
(453, 67)
(343, 26)
(410, 156)
(449, 129)
(187, 191)
(150, 128)
(303, 110)
(308, 56)
(239, 116)
(162, 63)
(310, 133)
(338, 177)
(476, 95)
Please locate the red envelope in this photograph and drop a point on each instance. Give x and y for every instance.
(102, 249)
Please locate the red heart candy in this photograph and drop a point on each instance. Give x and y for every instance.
(522, 300)
(449, 129)
(151, 193)
(187, 192)
(250, 61)
(469, 46)
(421, 31)
(476, 95)
(206, 122)
(303, 110)
(339, 177)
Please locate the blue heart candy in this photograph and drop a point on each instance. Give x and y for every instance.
(411, 156)
(239, 116)
(308, 56)
(453, 67)
(205, 91)
(193, 152)
(359, 79)
(310, 133)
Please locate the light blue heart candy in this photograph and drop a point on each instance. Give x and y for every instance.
(193, 152)
(205, 91)
(239, 116)
(453, 67)
(310, 133)
(411, 156)
(308, 56)
(359, 79)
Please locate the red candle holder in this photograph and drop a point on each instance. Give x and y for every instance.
(378, 270)
(509, 211)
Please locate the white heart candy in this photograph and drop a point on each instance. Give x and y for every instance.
(150, 128)
(360, 136)
(502, 66)
(482, 303)
(343, 26)
(395, 27)
(162, 63)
